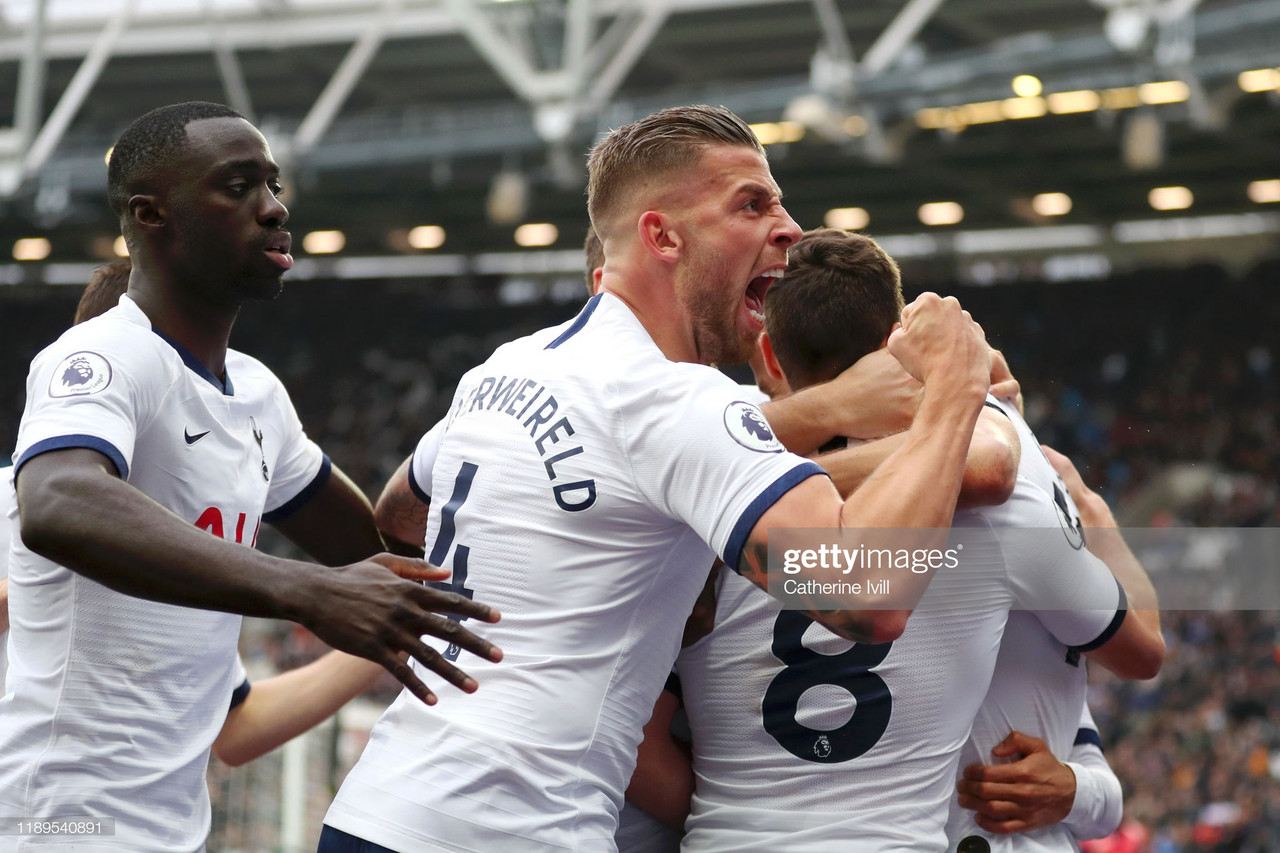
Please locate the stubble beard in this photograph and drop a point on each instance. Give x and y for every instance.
(201, 251)
(712, 303)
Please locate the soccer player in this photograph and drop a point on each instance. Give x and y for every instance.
(142, 436)
(878, 388)
(106, 283)
(657, 827)
(264, 715)
(8, 510)
(873, 398)
(783, 759)
(1039, 802)
(581, 470)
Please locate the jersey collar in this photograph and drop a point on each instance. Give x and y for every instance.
(193, 364)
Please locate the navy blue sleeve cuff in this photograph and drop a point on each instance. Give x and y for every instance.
(758, 507)
(1084, 737)
(415, 488)
(238, 695)
(1122, 608)
(296, 502)
(64, 442)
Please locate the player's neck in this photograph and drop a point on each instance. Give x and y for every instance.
(661, 317)
(202, 329)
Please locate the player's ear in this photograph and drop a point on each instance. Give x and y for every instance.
(596, 275)
(146, 212)
(770, 358)
(658, 235)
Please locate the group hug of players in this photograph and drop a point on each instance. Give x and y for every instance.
(597, 504)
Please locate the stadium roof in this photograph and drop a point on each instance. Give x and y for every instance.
(398, 113)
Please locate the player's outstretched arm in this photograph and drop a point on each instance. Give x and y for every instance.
(916, 486)
(662, 784)
(4, 605)
(874, 397)
(1035, 791)
(1136, 650)
(75, 511)
(284, 706)
(990, 471)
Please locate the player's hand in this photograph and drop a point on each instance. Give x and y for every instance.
(1033, 792)
(1003, 385)
(876, 396)
(938, 337)
(1094, 511)
(385, 611)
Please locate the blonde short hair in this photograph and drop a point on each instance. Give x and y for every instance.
(663, 142)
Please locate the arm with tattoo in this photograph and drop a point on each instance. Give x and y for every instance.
(401, 515)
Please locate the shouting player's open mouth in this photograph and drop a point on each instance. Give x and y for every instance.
(756, 291)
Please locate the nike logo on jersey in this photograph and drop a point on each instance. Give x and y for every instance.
(192, 439)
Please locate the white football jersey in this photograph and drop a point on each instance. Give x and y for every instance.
(803, 741)
(753, 394)
(1095, 812)
(578, 475)
(8, 518)
(1038, 688)
(640, 832)
(1099, 803)
(114, 701)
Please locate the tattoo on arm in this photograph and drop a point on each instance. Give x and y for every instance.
(703, 617)
(753, 564)
(401, 515)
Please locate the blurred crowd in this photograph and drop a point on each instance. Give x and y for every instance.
(1133, 377)
(1198, 749)
(1142, 370)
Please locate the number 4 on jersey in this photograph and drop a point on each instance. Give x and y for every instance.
(444, 541)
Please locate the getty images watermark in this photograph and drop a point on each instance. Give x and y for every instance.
(1031, 569)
